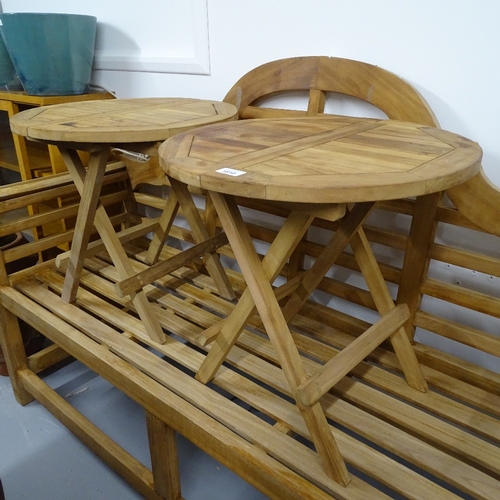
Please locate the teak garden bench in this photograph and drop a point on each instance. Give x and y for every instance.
(397, 441)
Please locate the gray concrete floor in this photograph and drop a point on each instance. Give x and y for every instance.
(41, 460)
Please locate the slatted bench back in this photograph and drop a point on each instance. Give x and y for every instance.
(51, 204)
(451, 280)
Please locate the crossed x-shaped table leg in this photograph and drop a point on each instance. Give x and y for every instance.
(259, 294)
(89, 183)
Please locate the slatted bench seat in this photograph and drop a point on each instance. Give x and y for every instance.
(397, 442)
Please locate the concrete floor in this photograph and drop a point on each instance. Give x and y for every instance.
(41, 460)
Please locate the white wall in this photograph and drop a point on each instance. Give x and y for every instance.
(449, 49)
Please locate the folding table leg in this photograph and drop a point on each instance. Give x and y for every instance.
(351, 232)
(415, 265)
(280, 250)
(311, 278)
(164, 225)
(82, 179)
(384, 303)
(89, 191)
(279, 334)
(200, 233)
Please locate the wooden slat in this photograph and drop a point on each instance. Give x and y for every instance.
(22, 224)
(254, 465)
(44, 184)
(461, 370)
(185, 385)
(414, 494)
(460, 333)
(471, 299)
(467, 259)
(124, 235)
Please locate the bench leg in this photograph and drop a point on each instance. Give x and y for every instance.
(416, 262)
(165, 463)
(12, 344)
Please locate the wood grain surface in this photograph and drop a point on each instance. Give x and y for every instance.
(321, 159)
(118, 121)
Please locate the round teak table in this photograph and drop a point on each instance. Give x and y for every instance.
(97, 127)
(330, 167)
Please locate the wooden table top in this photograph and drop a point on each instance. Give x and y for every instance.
(320, 159)
(119, 120)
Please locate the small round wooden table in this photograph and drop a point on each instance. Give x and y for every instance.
(97, 127)
(326, 167)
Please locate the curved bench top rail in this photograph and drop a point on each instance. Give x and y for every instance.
(397, 98)
(477, 199)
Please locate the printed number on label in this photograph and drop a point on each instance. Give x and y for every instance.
(230, 171)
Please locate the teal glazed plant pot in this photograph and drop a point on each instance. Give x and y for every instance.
(7, 71)
(52, 53)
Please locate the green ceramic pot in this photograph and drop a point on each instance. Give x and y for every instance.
(8, 77)
(52, 53)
